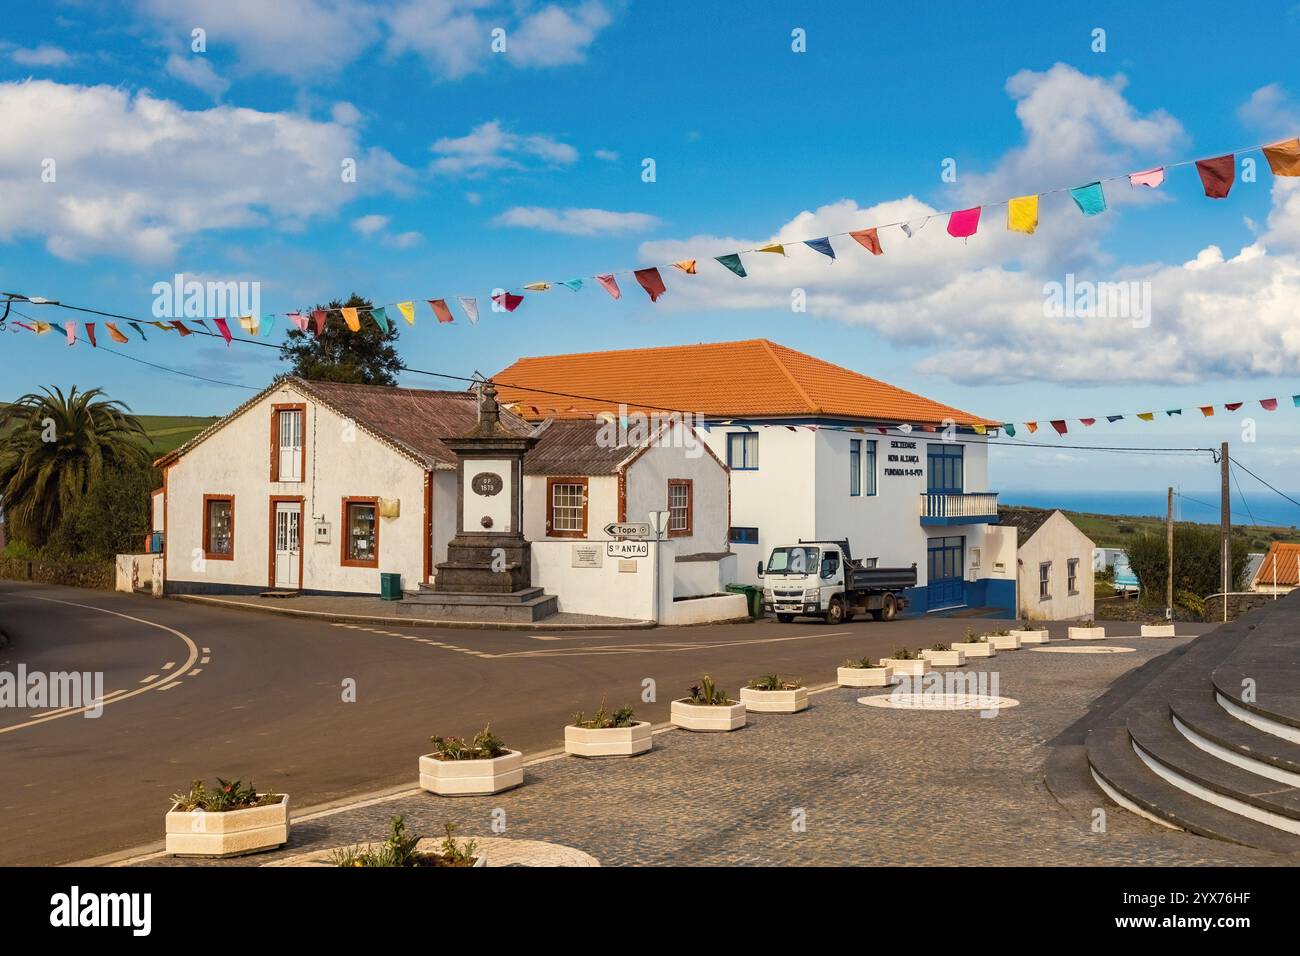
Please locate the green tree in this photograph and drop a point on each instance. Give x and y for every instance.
(367, 356)
(113, 516)
(55, 447)
(1196, 560)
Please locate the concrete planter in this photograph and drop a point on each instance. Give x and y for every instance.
(774, 701)
(863, 676)
(1032, 637)
(326, 857)
(707, 717)
(1157, 630)
(608, 741)
(232, 833)
(945, 658)
(1087, 633)
(458, 778)
(1005, 642)
(906, 668)
(976, 648)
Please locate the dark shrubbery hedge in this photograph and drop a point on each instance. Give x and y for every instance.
(1196, 561)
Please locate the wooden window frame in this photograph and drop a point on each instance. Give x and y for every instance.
(551, 482)
(345, 535)
(208, 553)
(275, 440)
(689, 485)
(1072, 576)
(271, 542)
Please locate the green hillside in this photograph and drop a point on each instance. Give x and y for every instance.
(169, 432)
(1118, 531)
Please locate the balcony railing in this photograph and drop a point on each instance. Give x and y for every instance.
(975, 508)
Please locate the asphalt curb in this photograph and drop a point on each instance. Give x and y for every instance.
(340, 618)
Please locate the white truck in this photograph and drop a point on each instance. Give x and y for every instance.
(821, 579)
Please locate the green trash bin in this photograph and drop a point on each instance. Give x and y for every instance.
(390, 586)
(753, 597)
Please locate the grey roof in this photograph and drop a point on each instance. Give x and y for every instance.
(1024, 520)
(574, 447)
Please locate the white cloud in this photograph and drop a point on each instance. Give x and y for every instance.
(43, 55)
(473, 198)
(554, 35)
(576, 222)
(405, 240)
(488, 147)
(977, 307)
(1271, 111)
(197, 71)
(608, 155)
(369, 225)
(345, 114)
(138, 176)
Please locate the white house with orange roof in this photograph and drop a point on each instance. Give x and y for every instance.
(815, 451)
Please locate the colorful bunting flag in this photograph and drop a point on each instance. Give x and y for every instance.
(508, 300)
(1009, 428)
(822, 245)
(1090, 199)
(772, 247)
(869, 239)
(72, 333)
(249, 324)
(202, 324)
(1147, 416)
(1032, 426)
(267, 323)
(905, 428)
(408, 311)
(963, 223)
(610, 285)
(1171, 412)
(980, 429)
(572, 284)
(1059, 425)
(1217, 175)
(652, 282)
(90, 334)
(732, 262)
(1284, 158)
(298, 319)
(139, 331)
(1207, 411)
(380, 315)
(1268, 404)
(470, 305)
(441, 312)
(1088, 422)
(1233, 406)
(1295, 400)
(686, 265)
(179, 326)
(115, 333)
(1022, 214)
(224, 329)
(1151, 178)
(1114, 418)
(318, 316)
(538, 287)
(352, 319)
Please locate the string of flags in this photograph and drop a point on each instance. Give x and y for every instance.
(1217, 175)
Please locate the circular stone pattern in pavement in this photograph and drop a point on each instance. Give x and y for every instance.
(1084, 650)
(938, 701)
(500, 851)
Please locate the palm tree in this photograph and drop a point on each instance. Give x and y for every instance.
(54, 448)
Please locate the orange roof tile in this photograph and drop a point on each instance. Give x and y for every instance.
(754, 378)
(1286, 557)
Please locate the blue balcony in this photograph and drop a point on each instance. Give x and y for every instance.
(980, 507)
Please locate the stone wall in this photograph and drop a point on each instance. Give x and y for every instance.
(98, 575)
(1238, 604)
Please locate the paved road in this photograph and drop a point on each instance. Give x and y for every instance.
(194, 691)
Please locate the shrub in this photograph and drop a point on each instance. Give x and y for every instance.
(226, 795)
(1196, 561)
(399, 850)
(859, 663)
(604, 720)
(903, 654)
(772, 682)
(708, 694)
(485, 746)
(941, 646)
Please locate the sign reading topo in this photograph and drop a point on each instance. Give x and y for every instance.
(487, 484)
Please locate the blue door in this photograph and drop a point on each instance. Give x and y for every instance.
(945, 586)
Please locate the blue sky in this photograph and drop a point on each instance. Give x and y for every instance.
(479, 169)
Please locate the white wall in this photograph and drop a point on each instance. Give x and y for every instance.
(647, 490)
(236, 460)
(602, 506)
(606, 590)
(1057, 540)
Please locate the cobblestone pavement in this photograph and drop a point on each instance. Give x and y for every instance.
(876, 786)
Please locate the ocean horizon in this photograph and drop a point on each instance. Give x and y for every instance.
(1198, 506)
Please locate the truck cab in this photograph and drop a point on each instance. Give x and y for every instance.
(821, 579)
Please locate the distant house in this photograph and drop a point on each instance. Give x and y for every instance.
(1054, 577)
(1279, 572)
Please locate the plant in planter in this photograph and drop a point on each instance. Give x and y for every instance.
(942, 655)
(459, 768)
(907, 662)
(707, 708)
(1027, 633)
(1087, 631)
(1158, 628)
(605, 734)
(771, 694)
(400, 850)
(227, 820)
(861, 672)
(1003, 640)
(976, 645)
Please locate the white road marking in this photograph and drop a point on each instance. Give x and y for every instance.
(189, 662)
(151, 677)
(197, 670)
(204, 659)
(169, 665)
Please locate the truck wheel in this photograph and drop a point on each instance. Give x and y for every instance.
(785, 618)
(835, 615)
(889, 610)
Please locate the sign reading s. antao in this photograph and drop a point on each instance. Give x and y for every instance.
(627, 549)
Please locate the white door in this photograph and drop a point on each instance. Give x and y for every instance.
(288, 543)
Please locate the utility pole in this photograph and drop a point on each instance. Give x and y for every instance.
(1169, 543)
(1225, 527)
